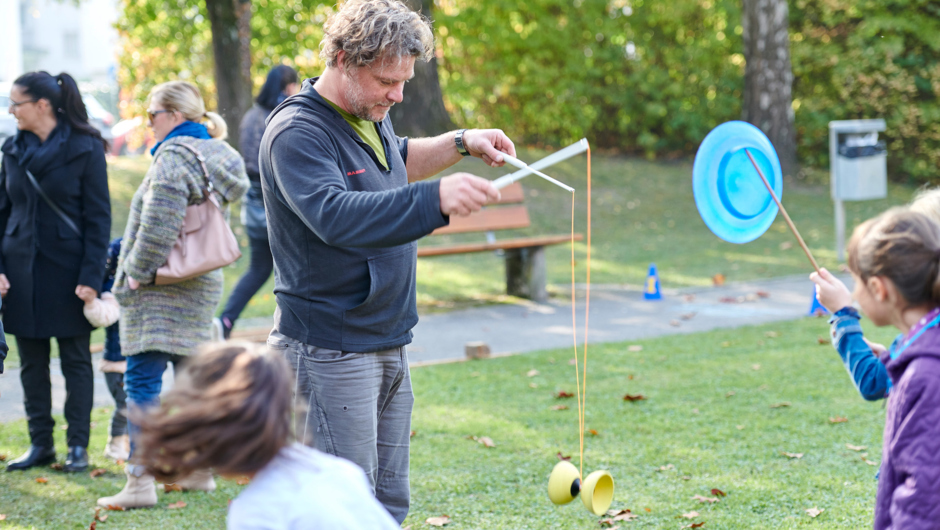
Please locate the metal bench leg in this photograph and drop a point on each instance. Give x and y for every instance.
(526, 274)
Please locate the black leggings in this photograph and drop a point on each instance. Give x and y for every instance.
(259, 270)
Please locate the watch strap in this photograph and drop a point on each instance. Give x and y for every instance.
(458, 139)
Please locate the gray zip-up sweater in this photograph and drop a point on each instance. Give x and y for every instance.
(342, 228)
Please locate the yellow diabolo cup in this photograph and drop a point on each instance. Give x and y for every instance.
(597, 491)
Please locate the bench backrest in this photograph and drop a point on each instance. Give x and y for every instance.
(508, 213)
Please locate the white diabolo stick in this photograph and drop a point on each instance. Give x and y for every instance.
(574, 149)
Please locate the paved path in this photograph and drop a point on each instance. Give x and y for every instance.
(617, 314)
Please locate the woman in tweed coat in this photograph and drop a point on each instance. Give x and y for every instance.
(165, 323)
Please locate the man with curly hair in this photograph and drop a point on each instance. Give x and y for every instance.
(345, 208)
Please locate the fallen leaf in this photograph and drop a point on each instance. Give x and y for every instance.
(786, 245)
(686, 477)
(175, 505)
(751, 297)
(95, 473)
(675, 323)
(572, 361)
(690, 515)
(718, 493)
(730, 300)
(56, 466)
(822, 340)
(762, 294)
(42, 480)
(856, 447)
(700, 498)
(689, 298)
(242, 481)
(532, 373)
(755, 367)
(725, 344)
(729, 394)
(486, 441)
(2, 458)
(791, 455)
(666, 467)
(608, 523)
(772, 334)
(563, 457)
(93, 525)
(739, 427)
(413, 433)
(647, 509)
(101, 518)
(64, 427)
(838, 419)
(780, 405)
(630, 377)
(114, 508)
(635, 348)
(533, 385)
(615, 513)
(718, 279)
(438, 521)
(634, 397)
(563, 394)
(593, 432)
(559, 407)
(694, 411)
(814, 511)
(171, 487)
(869, 462)
(119, 461)
(626, 516)
(695, 525)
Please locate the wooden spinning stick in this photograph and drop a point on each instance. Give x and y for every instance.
(783, 210)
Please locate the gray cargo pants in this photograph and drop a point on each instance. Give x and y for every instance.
(356, 406)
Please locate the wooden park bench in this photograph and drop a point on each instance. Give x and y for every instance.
(525, 256)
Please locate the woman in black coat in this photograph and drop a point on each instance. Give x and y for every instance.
(53, 246)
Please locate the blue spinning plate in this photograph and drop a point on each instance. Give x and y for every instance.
(729, 194)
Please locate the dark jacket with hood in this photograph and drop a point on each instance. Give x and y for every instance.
(342, 228)
(909, 481)
(43, 258)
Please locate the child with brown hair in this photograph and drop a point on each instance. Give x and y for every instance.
(859, 355)
(230, 410)
(895, 262)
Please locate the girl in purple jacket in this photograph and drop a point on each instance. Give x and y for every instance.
(895, 262)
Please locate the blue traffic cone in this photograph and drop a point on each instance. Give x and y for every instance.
(651, 290)
(816, 309)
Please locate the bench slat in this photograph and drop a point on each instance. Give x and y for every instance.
(502, 218)
(511, 194)
(522, 242)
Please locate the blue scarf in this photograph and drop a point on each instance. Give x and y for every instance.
(187, 128)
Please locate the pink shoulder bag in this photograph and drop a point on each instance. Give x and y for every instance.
(206, 241)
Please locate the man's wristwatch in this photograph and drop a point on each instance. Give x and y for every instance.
(458, 139)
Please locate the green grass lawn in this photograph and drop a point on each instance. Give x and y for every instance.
(707, 422)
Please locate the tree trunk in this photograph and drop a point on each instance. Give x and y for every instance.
(231, 40)
(768, 76)
(421, 112)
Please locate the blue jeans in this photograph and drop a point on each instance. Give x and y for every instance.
(143, 382)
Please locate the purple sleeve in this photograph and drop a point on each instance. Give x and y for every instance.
(915, 451)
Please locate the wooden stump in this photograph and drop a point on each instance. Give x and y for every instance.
(526, 274)
(477, 350)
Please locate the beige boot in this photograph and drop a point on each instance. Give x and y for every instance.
(118, 447)
(139, 492)
(199, 480)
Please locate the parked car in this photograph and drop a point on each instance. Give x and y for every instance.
(100, 118)
(130, 137)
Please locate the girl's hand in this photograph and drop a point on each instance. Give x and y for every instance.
(87, 294)
(132, 283)
(4, 285)
(831, 292)
(876, 348)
